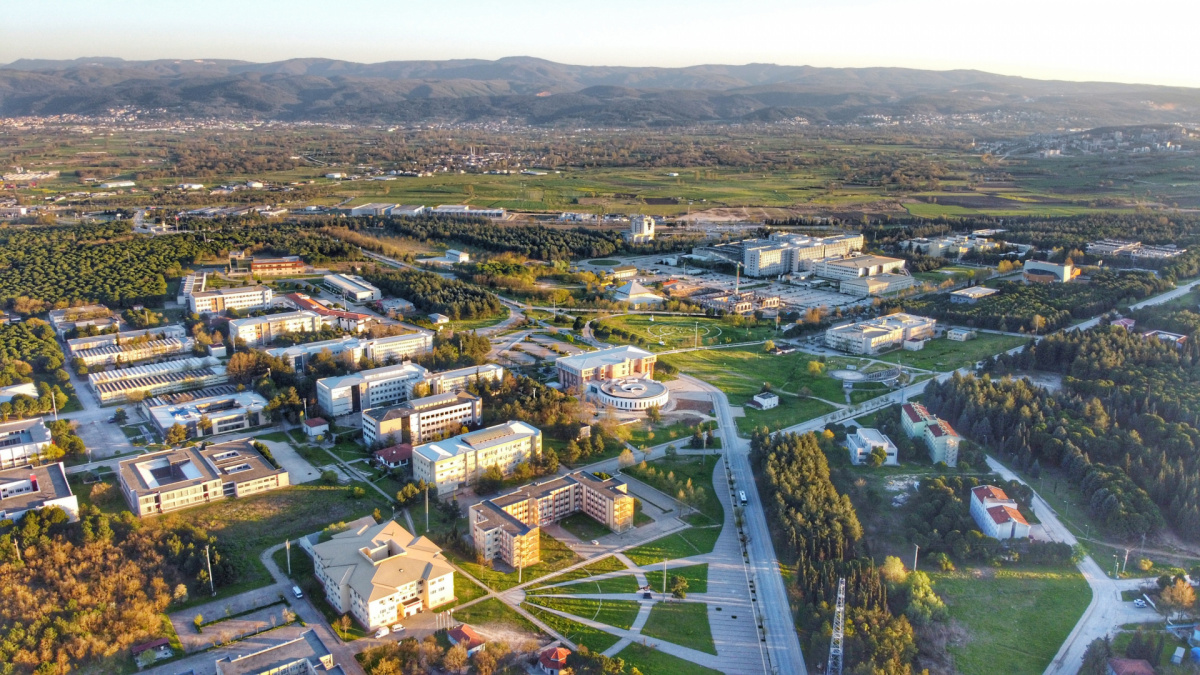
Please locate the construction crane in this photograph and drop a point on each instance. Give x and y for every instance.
(834, 665)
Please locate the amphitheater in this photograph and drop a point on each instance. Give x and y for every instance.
(629, 393)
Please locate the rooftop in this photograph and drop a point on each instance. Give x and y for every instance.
(236, 324)
(975, 292)
(401, 452)
(16, 486)
(235, 290)
(426, 404)
(942, 428)
(307, 647)
(170, 470)
(376, 560)
(989, 492)
(493, 509)
(1003, 513)
(399, 371)
(857, 261)
(916, 413)
(190, 412)
(603, 357)
(475, 440)
(32, 430)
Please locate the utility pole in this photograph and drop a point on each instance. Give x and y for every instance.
(1125, 565)
(664, 578)
(916, 549)
(426, 509)
(208, 562)
(287, 544)
(834, 664)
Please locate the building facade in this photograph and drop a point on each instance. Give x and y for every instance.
(422, 419)
(221, 299)
(352, 288)
(141, 382)
(864, 441)
(367, 389)
(1040, 272)
(996, 514)
(641, 229)
(351, 350)
(880, 334)
(449, 464)
(849, 267)
(209, 415)
(28, 488)
(604, 364)
(169, 480)
(259, 330)
(942, 441)
(22, 441)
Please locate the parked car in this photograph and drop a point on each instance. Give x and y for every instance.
(595, 542)
(297, 592)
(397, 627)
(1139, 603)
(382, 632)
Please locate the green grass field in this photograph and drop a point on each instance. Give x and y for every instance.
(697, 468)
(602, 566)
(625, 583)
(943, 355)
(682, 623)
(592, 638)
(689, 542)
(555, 556)
(494, 612)
(619, 613)
(1016, 620)
(696, 575)
(651, 661)
(584, 527)
(677, 332)
(650, 434)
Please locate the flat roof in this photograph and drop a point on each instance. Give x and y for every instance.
(475, 440)
(603, 357)
(170, 470)
(860, 261)
(32, 430)
(235, 324)
(400, 370)
(51, 483)
(307, 646)
(975, 292)
(237, 290)
(167, 414)
(350, 283)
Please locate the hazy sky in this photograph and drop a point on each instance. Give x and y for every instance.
(1150, 41)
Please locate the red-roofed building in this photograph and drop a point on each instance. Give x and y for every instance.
(553, 661)
(351, 321)
(466, 635)
(317, 426)
(161, 647)
(395, 456)
(1129, 667)
(997, 515)
(915, 418)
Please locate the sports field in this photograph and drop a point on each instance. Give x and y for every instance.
(665, 333)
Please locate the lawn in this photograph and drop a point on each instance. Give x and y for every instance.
(584, 527)
(602, 566)
(690, 542)
(651, 661)
(682, 468)
(681, 623)
(555, 556)
(650, 434)
(625, 583)
(465, 591)
(675, 332)
(1122, 639)
(593, 638)
(604, 262)
(1016, 620)
(696, 575)
(492, 611)
(476, 324)
(619, 613)
(943, 355)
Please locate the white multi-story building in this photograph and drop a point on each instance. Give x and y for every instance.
(351, 350)
(258, 330)
(27, 488)
(226, 413)
(366, 389)
(21, 441)
(130, 346)
(863, 442)
(785, 253)
(352, 288)
(381, 573)
(138, 382)
(950, 246)
(449, 464)
(422, 419)
(641, 229)
(996, 514)
(450, 381)
(221, 299)
(876, 335)
(848, 267)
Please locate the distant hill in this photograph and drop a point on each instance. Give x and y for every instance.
(543, 92)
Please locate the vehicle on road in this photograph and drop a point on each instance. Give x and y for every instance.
(595, 542)
(1139, 603)
(397, 627)
(382, 632)
(112, 420)
(742, 497)
(297, 592)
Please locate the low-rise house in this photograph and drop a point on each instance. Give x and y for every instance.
(316, 427)
(28, 488)
(169, 480)
(553, 661)
(396, 456)
(863, 442)
(996, 514)
(466, 636)
(304, 655)
(765, 400)
(380, 573)
(1129, 667)
(22, 441)
(961, 334)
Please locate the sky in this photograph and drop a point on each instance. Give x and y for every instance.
(1148, 41)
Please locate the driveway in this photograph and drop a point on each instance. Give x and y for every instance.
(299, 470)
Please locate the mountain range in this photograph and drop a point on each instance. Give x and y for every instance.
(536, 91)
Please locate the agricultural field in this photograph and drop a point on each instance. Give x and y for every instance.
(664, 333)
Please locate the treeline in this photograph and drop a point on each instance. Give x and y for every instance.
(431, 292)
(121, 576)
(817, 530)
(29, 352)
(1038, 308)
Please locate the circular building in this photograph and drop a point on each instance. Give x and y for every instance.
(629, 393)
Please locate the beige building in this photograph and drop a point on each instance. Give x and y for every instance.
(449, 381)
(422, 419)
(508, 527)
(221, 299)
(139, 382)
(942, 441)
(169, 480)
(451, 463)
(381, 573)
(259, 330)
(855, 266)
(785, 253)
(880, 284)
(1040, 272)
(879, 334)
(604, 364)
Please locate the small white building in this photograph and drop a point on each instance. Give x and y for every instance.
(316, 427)
(997, 515)
(864, 441)
(439, 319)
(914, 345)
(766, 400)
(457, 256)
(961, 334)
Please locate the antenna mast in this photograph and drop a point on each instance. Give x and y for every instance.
(834, 666)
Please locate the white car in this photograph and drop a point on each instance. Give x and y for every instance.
(595, 542)
(397, 627)
(382, 632)
(1139, 603)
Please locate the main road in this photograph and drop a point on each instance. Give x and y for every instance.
(783, 644)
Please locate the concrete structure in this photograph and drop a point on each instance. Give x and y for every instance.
(624, 272)
(1172, 338)
(259, 330)
(130, 346)
(366, 389)
(351, 350)
(1112, 248)
(880, 284)
(352, 288)
(880, 334)
(637, 295)
(628, 393)
(765, 400)
(169, 480)
(355, 322)
(641, 229)
(997, 515)
(22, 389)
(66, 320)
(221, 299)
(915, 418)
(914, 345)
(507, 527)
(422, 419)
(459, 379)
(316, 427)
(971, 295)
(407, 210)
(465, 210)
(786, 253)
(22, 441)
(277, 267)
(226, 413)
(28, 488)
(863, 442)
(854, 266)
(950, 246)
(396, 307)
(380, 573)
(456, 256)
(1040, 272)
(448, 464)
(439, 319)
(604, 364)
(305, 655)
(115, 386)
(373, 209)
(942, 441)
(961, 334)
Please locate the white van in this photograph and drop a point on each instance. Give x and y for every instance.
(742, 496)
(297, 592)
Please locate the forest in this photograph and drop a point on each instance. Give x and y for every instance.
(29, 352)
(817, 531)
(431, 292)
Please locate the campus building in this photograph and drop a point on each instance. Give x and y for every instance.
(971, 295)
(374, 388)
(914, 418)
(786, 253)
(226, 412)
(220, 299)
(351, 350)
(1041, 272)
(641, 229)
(508, 527)
(304, 655)
(450, 463)
(449, 381)
(139, 382)
(879, 334)
(864, 441)
(420, 420)
(352, 288)
(604, 364)
(996, 514)
(628, 393)
(130, 346)
(22, 441)
(169, 480)
(291, 265)
(66, 320)
(950, 246)
(259, 330)
(381, 573)
(942, 441)
(849, 267)
(636, 294)
(880, 284)
(28, 488)
(355, 322)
